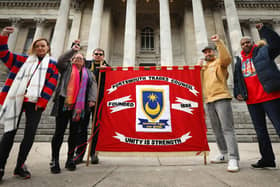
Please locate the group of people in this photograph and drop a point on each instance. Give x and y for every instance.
(33, 79)
(256, 81)
(31, 82)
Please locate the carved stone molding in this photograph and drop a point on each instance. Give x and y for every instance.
(30, 3)
(40, 21)
(15, 21)
(269, 4)
(276, 21)
(254, 20)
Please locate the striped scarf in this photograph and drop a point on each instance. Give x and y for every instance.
(76, 93)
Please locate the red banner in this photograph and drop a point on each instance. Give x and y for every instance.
(152, 111)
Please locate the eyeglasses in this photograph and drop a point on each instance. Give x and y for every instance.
(98, 54)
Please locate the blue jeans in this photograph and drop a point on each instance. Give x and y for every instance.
(257, 113)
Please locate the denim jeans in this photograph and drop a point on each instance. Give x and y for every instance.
(257, 113)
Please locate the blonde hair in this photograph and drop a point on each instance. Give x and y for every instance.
(31, 50)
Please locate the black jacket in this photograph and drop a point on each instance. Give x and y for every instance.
(263, 60)
(93, 67)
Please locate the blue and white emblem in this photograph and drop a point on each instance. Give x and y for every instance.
(152, 101)
(152, 108)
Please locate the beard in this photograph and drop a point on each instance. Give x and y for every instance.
(209, 58)
(247, 49)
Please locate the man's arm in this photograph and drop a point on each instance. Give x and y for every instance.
(272, 39)
(223, 53)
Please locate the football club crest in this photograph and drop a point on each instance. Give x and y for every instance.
(153, 108)
(152, 101)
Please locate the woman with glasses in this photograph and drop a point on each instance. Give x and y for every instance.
(97, 61)
(28, 88)
(75, 95)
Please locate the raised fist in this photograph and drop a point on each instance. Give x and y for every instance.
(259, 26)
(215, 38)
(7, 30)
(76, 45)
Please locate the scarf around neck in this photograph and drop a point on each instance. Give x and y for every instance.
(76, 93)
(29, 82)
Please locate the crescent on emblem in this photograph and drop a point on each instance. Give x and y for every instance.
(152, 111)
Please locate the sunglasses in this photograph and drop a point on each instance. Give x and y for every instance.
(98, 54)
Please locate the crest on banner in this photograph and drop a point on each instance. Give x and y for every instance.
(153, 108)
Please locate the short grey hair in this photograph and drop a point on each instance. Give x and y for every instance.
(247, 38)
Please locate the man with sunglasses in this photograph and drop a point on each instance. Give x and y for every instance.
(98, 61)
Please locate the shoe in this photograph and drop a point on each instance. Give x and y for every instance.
(70, 164)
(54, 167)
(94, 159)
(22, 172)
(233, 165)
(219, 159)
(1, 174)
(79, 160)
(262, 164)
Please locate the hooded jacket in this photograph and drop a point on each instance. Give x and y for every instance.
(263, 59)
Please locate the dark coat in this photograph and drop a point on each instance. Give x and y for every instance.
(65, 69)
(93, 67)
(263, 60)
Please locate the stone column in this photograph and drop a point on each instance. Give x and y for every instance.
(40, 22)
(75, 28)
(95, 27)
(130, 34)
(13, 37)
(199, 27)
(233, 26)
(166, 54)
(254, 31)
(276, 25)
(60, 28)
(190, 52)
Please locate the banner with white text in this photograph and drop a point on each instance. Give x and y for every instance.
(155, 110)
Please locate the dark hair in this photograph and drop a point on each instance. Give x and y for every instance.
(99, 49)
(32, 47)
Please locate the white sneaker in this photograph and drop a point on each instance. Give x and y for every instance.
(233, 165)
(219, 159)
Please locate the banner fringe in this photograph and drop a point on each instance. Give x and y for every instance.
(152, 154)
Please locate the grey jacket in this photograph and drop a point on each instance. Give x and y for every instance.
(65, 68)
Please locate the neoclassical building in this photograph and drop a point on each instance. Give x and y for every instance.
(160, 32)
(138, 32)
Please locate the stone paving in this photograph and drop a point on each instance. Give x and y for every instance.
(144, 171)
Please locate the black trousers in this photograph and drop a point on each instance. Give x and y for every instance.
(62, 120)
(258, 112)
(32, 121)
(83, 135)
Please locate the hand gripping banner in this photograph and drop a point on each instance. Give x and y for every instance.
(155, 110)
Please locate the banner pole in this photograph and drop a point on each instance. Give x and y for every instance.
(205, 158)
(94, 117)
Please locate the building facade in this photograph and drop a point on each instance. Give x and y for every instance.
(138, 32)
